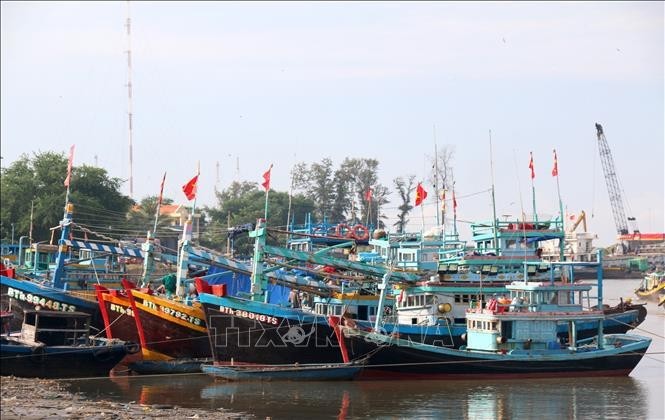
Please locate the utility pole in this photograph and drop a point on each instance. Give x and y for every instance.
(129, 101)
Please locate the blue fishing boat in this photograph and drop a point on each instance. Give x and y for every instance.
(56, 344)
(295, 372)
(53, 279)
(520, 339)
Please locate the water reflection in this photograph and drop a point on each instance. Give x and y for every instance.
(592, 398)
(623, 397)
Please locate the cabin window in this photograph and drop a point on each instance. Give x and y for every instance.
(372, 310)
(414, 321)
(362, 312)
(507, 329)
(429, 300)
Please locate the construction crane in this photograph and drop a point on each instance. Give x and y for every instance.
(616, 200)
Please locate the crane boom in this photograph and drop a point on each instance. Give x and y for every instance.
(616, 201)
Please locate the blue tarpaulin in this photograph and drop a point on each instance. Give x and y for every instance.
(240, 283)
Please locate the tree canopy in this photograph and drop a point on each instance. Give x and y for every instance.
(37, 183)
(243, 203)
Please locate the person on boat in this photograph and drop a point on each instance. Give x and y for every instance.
(294, 299)
(192, 295)
(513, 304)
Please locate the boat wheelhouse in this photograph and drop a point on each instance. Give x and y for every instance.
(500, 252)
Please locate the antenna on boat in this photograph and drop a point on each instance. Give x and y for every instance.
(436, 176)
(129, 100)
(533, 189)
(288, 213)
(519, 186)
(494, 221)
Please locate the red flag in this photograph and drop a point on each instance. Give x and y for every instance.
(454, 201)
(368, 195)
(421, 194)
(443, 200)
(533, 174)
(161, 192)
(266, 178)
(190, 188)
(555, 170)
(69, 166)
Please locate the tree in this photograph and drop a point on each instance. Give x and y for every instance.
(243, 203)
(39, 179)
(317, 183)
(142, 217)
(359, 175)
(404, 189)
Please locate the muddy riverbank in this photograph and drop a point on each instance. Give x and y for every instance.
(48, 399)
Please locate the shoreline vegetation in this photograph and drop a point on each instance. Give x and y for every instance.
(28, 398)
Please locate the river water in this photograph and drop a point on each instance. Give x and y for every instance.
(639, 396)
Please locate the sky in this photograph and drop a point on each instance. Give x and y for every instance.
(237, 86)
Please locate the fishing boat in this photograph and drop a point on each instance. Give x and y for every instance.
(63, 285)
(56, 344)
(515, 340)
(295, 372)
(251, 329)
(652, 286)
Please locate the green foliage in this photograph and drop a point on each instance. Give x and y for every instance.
(40, 180)
(339, 195)
(244, 202)
(142, 217)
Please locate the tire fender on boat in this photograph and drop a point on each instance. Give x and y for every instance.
(132, 347)
(360, 232)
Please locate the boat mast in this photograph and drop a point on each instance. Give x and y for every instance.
(494, 221)
(129, 101)
(436, 177)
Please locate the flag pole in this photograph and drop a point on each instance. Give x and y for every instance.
(368, 196)
(198, 172)
(533, 191)
(266, 185)
(159, 204)
(454, 212)
(555, 172)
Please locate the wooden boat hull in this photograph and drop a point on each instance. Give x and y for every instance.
(253, 332)
(331, 372)
(61, 361)
(393, 358)
(165, 367)
(20, 295)
(118, 315)
(169, 329)
(618, 320)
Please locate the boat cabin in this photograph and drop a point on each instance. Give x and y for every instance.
(55, 328)
(351, 306)
(411, 251)
(438, 305)
(528, 318)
